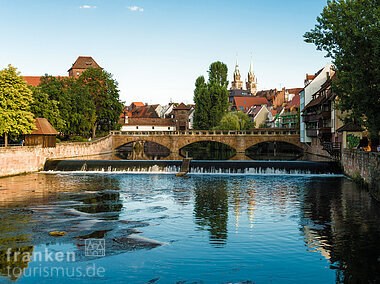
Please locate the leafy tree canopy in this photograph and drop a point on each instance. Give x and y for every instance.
(349, 31)
(105, 95)
(235, 121)
(43, 106)
(15, 98)
(211, 98)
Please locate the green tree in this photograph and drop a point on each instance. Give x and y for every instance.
(15, 99)
(76, 108)
(43, 106)
(203, 104)
(235, 121)
(211, 98)
(218, 73)
(349, 31)
(105, 96)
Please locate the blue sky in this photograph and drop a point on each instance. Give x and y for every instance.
(156, 49)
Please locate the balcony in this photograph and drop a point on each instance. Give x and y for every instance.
(324, 130)
(311, 132)
(326, 114)
(310, 117)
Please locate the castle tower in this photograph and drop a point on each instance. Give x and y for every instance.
(236, 84)
(252, 81)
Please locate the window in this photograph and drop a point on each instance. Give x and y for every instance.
(241, 108)
(77, 73)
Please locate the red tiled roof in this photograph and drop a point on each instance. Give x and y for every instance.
(295, 91)
(242, 103)
(43, 127)
(84, 62)
(294, 103)
(273, 112)
(150, 121)
(138, 104)
(36, 80)
(182, 106)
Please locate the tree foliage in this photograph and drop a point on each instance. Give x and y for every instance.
(43, 106)
(15, 97)
(203, 104)
(235, 121)
(76, 109)
(105, 96)
(349, 31)
(211, 98)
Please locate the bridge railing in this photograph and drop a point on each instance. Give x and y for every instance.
(257, 131)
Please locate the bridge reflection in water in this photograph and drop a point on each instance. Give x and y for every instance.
(258, 144)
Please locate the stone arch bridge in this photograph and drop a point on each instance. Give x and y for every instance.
(238, 140)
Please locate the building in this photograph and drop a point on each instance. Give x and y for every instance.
(259, 115)
(148, 124)
(251, 83)
(237, 84)
(322, 121)
(313, 84)
(80, 65)
(181, 117)
(43, 135)
(289, 116)
(245, 103)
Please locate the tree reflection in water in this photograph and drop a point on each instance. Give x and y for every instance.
(342, 222)
(211, 208)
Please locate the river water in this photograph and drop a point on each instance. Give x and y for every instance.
(205, 228)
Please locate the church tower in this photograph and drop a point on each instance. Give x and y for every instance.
(236, 84)
(252, 81)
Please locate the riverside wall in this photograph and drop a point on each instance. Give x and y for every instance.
(363, 166)
(26, 159)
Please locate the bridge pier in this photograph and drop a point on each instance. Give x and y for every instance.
(240, 144)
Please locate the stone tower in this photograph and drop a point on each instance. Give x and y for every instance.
(252, 81)
(236, 84)
(81, 64)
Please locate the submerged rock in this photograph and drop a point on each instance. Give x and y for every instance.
(57, 234)
(133, 242)
(134, 224)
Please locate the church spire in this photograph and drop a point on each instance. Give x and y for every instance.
(251, 83)
(236, 84)
(250, 67)
(237, 71)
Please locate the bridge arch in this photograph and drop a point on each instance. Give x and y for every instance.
(238, 140)
(282, 140)
(207, 150)
(186, 142)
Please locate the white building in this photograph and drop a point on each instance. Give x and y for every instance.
(148, 124)
(312, 84)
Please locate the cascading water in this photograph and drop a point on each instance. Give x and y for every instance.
(196, 167)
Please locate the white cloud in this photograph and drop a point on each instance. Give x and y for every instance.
(87, 7)
(136, 8)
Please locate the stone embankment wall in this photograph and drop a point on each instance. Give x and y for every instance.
(363, 165)
(18, 160)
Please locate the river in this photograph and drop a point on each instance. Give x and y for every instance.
(210, 228)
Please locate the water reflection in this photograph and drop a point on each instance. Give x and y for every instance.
(344, 226)
(142, 150)
(259, 228)
(276, 150)
(211, 209)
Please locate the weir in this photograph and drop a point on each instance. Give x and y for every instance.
(195, 167)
